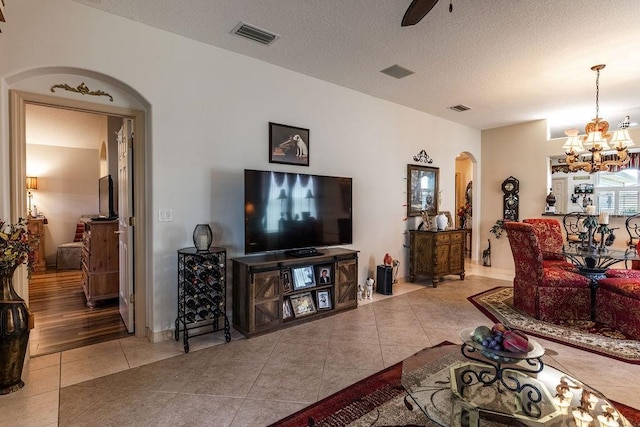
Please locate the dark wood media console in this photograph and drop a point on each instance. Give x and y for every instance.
(271, 291)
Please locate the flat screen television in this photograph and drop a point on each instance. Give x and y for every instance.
(287, 210)
(106, 198)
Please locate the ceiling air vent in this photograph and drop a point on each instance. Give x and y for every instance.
(397, 71)
(460, 108)
(254, 33)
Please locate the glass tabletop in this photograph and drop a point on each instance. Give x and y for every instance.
(597, 258)
(436, 381)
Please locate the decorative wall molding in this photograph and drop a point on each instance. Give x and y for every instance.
(82, 89)
(423, 157)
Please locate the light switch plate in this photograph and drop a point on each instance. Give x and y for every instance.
(165, 215)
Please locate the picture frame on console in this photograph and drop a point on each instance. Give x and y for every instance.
(303, 304)
(422, 190)
(324, 275)
(303, 277)
(287, 311)
(286, 282)
(288, 145)
(324, 300)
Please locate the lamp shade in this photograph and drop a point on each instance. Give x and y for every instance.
(32, 183)
(573, 143)
(621, 139)
(595, 139)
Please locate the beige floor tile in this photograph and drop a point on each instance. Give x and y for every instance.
(334, 380)
(392, 354)
(102, 349)
(145, 354)
(231, 378)
(124, 408)
(29, 411)
(299, 383)
(38, 381)
(257, 413)
(365, 333)
(42, 362)
(346, 355)
(306, 352)
(189, 410)
(93, 367)
(320, 331)
(402, 336)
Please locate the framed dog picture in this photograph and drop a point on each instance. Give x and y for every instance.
(288, 144)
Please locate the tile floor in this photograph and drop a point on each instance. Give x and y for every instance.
(255, 382)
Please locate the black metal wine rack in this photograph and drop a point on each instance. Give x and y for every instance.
(201, 293)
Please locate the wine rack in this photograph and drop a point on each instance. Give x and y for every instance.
(201, 294)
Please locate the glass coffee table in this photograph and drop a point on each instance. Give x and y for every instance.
(452, 389)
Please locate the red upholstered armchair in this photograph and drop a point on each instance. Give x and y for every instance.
(551, 294)
(549, 234)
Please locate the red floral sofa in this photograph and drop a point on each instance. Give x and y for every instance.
(547, 293)
(550, 238)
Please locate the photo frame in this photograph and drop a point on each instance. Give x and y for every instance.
(422, 190)
(288, 145)
(303, 277)
(286, 282)
(325, 276)
(287, 310)
(428, 222)
(302, 304)
(324, 300)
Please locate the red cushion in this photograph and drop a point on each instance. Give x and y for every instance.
(624, 286)
(557, 277)
(549, 235)
(622, 272)
(549, 263)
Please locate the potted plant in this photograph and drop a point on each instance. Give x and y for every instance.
(16, 248)
(464, 213)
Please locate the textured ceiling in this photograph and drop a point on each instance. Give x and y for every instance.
(511, 61)
(64, 128)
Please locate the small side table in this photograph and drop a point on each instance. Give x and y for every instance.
(201, 293)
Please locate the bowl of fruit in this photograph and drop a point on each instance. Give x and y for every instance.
(500, 343)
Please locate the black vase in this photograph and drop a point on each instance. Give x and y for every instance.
(14, 334)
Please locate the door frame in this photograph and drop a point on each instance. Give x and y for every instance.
(17, 154)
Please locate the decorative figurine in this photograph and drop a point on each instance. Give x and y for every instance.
(388, 260)
(486, 255)
(370, 282)
(360, 291)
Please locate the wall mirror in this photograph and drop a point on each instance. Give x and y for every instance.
(422, 190)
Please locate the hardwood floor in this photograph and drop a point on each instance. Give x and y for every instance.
(62, 319)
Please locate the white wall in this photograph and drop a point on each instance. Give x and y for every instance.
(209, 113)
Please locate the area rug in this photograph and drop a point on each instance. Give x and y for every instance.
(379, 400)
(497, 305)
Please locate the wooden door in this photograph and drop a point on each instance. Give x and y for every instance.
(125, 232)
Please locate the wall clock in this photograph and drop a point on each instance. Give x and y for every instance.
(510, 199)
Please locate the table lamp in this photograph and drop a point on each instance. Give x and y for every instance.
(32, 184)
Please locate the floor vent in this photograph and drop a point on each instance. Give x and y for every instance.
(254, 33)
(460, 108)
(397, 71)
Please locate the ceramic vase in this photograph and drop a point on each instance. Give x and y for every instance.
(441, 222)
(14, 334)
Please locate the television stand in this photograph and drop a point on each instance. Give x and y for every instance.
(303, 253)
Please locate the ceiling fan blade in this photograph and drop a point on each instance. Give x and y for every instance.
(416, 11)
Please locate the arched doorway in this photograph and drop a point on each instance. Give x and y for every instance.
(20, 99)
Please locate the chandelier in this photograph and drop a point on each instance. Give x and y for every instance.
(597, 141)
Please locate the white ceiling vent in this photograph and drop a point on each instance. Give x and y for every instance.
(397, 71)
(460, 108)
(254, 33)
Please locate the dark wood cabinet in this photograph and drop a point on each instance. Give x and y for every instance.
(100, 261)
(265, 295)
(436, 254)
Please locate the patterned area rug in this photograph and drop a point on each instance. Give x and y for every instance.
(379, 400)
(497, 304)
